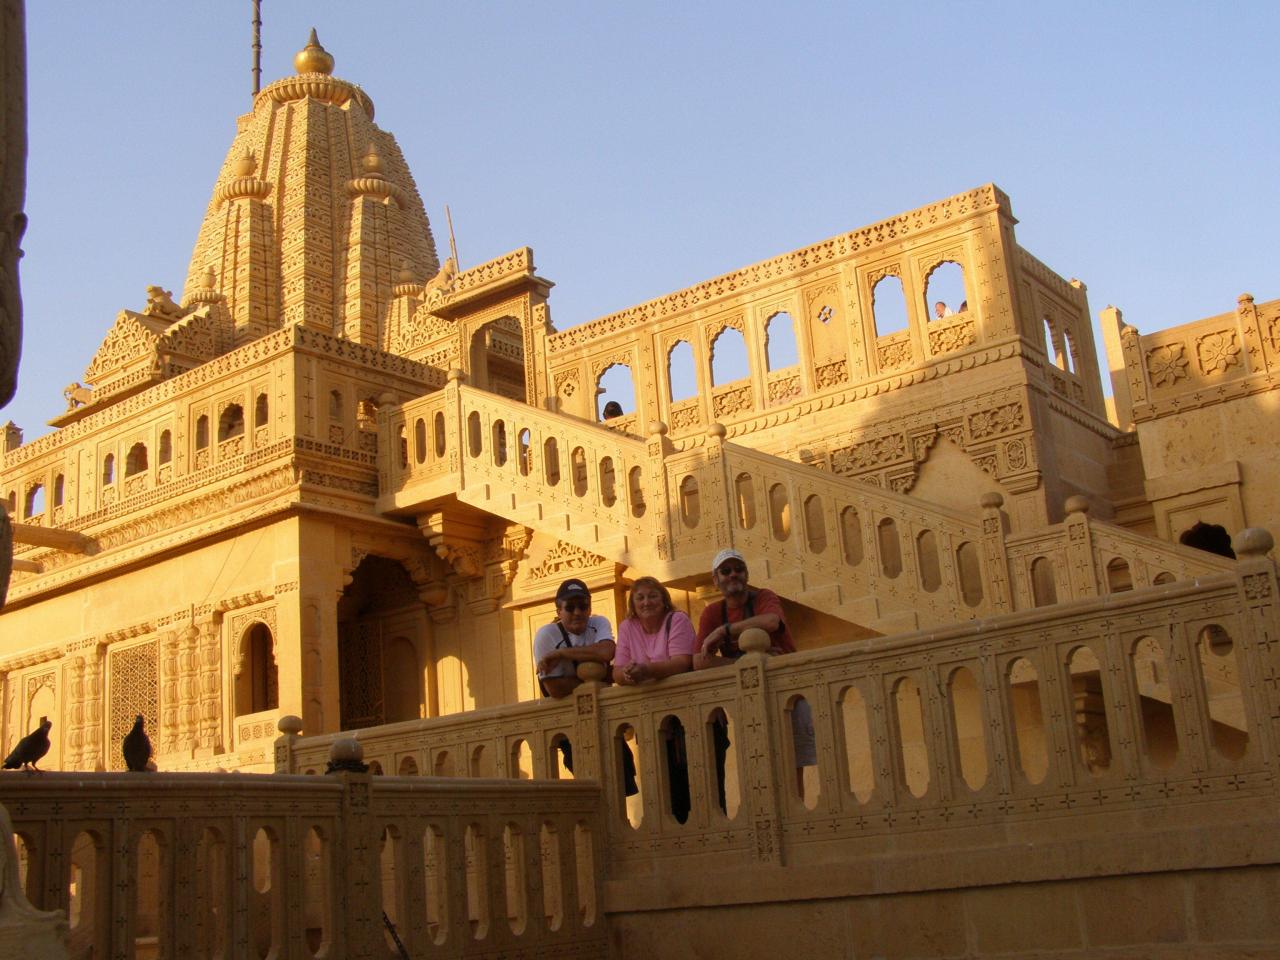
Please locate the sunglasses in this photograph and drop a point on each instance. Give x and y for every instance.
(728, 568)
(576, 606)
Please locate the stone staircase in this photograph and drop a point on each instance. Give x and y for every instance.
(887, 561)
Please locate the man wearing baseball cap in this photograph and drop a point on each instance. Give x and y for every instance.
(741, 609)
(719, 628)
(576, 635)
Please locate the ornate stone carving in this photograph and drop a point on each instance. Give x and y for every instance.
(831, 374)
(1166, 365)
(997, 420)
(562, 559)
(135, 689)
(732, 401)
(954, 337)
(896, 353)
(1217, 352)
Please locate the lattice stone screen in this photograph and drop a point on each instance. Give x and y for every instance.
(135, 689)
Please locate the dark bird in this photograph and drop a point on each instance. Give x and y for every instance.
(30, 748)
(137, 747)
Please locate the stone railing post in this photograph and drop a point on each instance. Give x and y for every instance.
(995, 527)
(1258, 594)
(357, 871)
(286, 744)
(1081, 570)
(757, 747)
(454, 431)
(659, 448)
(589, 744)
(715, 492)
(1257, 347)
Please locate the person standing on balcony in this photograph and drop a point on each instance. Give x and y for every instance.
(655, 641)
(743, 608)
(576, 635)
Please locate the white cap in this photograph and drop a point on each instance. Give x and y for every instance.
(728, 553)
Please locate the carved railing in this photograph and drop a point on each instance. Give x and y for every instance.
(1131, 706)
(1086, 558)
(212, 865)
(873, 556)
(1202, 362)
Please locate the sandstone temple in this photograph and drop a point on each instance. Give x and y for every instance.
(330, 487)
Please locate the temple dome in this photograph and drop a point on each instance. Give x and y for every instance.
(302, 226)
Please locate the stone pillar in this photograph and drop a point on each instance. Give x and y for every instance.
(75, 714)
(757, 745)
(92, 758)
(188, 692)
(170, 705)
(206, 635)
(1112, 322)
(1082, 573)
(659, 447)
(995, 527)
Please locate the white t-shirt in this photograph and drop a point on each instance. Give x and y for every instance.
(550, 638)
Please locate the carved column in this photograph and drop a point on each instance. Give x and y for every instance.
(188, 731)
(205, 634)
(169, 702)
(75, 714)
(1259, 355)
(91, 747)
(659, 507)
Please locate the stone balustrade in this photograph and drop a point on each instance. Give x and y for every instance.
(244, 865)
(874, 556)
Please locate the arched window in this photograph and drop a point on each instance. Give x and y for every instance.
(780, 342)
(231, 423)
(34, 502)
(1209, 537)
(59, 490)
(136, 461)
(1052, 348)
(888, 306)
(615, 386)
(682, 375)
(109, 469)
(166, 446)
(729, 357)
(260, 411)
(256, 684)
(202, 432)
(335, 406)
(944, 291)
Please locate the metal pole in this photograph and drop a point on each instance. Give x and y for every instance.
(257, 46)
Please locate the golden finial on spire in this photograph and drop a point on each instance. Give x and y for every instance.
(245, 164)
(372, 161)
(210, 279)
(313, 58)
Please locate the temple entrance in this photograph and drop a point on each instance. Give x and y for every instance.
(382, 638)
(497, 358)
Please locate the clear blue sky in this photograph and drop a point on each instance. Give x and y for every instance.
(642, 147)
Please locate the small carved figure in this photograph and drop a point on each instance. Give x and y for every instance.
(30, 748)
(441, 285)
(160, 304)
(76, 395)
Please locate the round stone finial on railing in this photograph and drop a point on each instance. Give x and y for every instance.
(591, 672)
(992, 501)
(1245, 299)
(346, 754)
(1252, 542)
(1076, 504)
(657, 428)
(716, 429)
(754, 640)
(289, 725)
(455, 373)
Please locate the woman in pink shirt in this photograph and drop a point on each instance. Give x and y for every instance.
(656, 640)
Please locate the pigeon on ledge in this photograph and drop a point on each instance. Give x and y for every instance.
(30, 748)
(137, 747)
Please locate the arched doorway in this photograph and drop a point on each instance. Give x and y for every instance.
(497, 358)
(381, 641)
(257, 687)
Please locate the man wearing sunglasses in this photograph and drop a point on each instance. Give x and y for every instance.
(719, 628)
(741, 609)
(576, 635)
